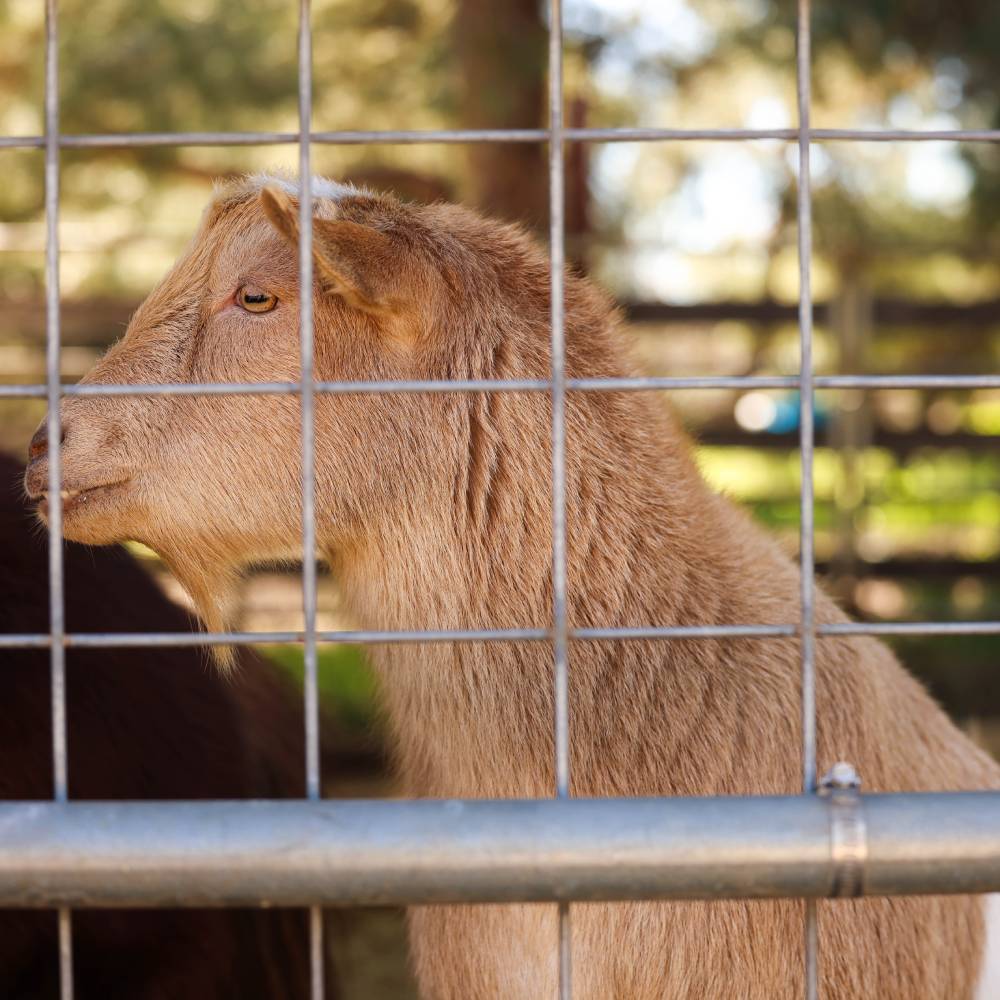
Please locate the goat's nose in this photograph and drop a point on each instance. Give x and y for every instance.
(39, 445)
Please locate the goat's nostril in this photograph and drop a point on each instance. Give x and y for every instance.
(39, 444)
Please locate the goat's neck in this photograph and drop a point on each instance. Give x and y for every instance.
(475, 718)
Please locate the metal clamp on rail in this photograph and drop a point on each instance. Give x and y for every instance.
(841, 786)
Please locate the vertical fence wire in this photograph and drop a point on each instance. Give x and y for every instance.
(57, 621)
(806, 444)
(557, 260)
(308, 407)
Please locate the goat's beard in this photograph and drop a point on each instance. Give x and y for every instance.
(211, 584)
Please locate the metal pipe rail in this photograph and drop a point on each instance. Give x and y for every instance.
(299, 853)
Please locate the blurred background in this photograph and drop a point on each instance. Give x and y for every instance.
(697, 240)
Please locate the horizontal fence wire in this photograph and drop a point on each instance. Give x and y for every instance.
(109, 640)
(636, 384)
(406, 137)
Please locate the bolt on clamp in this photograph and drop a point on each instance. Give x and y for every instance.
(841, 786)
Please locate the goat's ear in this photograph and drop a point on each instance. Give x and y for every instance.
(358, 263)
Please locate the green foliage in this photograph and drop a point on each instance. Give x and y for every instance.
(937, 502)
(213, 65)
(347, 685)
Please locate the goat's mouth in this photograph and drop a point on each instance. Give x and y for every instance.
(79, 500)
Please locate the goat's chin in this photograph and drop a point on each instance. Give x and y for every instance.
(89, 530)
(95, 516)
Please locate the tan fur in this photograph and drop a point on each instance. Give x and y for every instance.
(434, 511)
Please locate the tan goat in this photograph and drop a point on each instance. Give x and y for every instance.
(434, 512)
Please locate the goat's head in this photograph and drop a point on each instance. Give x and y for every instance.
(213, 481)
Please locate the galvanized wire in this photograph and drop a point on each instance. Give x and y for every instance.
(807, 624)
(407, 137)
(52, 391)
(630, 384)
(139, 640)
(560, 636)
(307, 392)
(57, 621)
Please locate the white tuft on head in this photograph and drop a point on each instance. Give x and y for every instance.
(326, 193)
(321, 187)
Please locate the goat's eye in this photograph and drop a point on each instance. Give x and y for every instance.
(255, 299)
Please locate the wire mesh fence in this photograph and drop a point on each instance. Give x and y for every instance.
(809, 846)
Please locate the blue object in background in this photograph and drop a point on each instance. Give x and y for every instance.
(786, 414)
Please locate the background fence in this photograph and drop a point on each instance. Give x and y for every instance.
(75, 854)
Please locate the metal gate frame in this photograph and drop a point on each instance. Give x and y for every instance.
(826, 841)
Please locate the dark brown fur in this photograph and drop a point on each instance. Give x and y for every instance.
(143, 724)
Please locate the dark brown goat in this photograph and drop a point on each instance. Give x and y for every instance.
(142, 724)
